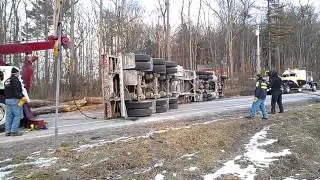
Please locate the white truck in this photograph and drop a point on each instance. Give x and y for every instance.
(298, 80)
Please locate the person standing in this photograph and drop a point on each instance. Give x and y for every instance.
(13, 93)
(27, 71)
(275, 85)
(259, 98)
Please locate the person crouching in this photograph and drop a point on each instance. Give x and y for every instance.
(13, 93)
(259, 98)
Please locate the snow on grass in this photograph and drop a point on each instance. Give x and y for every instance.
(189, 155)
(159, 164)
(86, 165)
(4, 174)
(6, 160)
(191, 169)
(255, 158)
(159, 177)
(150, 134)
(289, 178)
(63, 170)
(40, 162)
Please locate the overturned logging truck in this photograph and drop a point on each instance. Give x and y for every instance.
(137, 85)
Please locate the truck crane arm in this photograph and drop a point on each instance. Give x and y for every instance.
(16, 48)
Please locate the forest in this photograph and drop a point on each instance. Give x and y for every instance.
(219, 34)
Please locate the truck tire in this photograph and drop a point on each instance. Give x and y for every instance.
(287, 89)
(139, 112)
(138, 104)
(171, 70)
(314, 87)
(159, 69)
(173, 100)
(143, 66)
(161, 102)
(210, 98)
(158, 61)
(161, 109)
(201, 73)
(142, 58)
(173, 106)
(204, 77)
(162, 77)
(3, 111)
(170, 64)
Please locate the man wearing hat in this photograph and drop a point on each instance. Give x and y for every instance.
(260, 94)
(13, 93)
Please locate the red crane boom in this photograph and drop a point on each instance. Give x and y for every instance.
(16, 48)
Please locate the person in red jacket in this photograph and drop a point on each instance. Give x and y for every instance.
(2, 63)
(27, 71)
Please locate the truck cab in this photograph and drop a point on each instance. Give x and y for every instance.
(299, 79)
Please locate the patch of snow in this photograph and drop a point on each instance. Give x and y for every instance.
(44, 162)
(40, 162)
(191, 169)
(222, 150)
(255, 155)
(146, 136)
(164, 172)
(159, 177)
(289, 178)
(6, 160)
(4, 174)
(159, 164)
(36, 153)
(86, 165)
(189, 155)
(144, 170)
(63, 170)
(103, 160)
(237, 158)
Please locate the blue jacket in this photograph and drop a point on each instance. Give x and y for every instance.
(261, 89)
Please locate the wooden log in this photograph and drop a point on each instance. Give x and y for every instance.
(81, 102)
(52, 109)
(94, 100)
(35, 103)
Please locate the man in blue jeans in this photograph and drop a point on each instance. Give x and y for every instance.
(13, 93)
(259, 98)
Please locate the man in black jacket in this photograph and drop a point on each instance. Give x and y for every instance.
(275, 85)
(259, 98)
(13, 93)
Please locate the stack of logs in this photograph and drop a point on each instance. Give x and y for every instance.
(45, 107)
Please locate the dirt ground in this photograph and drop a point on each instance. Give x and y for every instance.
(178, 150)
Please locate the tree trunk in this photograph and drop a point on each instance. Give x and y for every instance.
(167, 43)
(190, 37)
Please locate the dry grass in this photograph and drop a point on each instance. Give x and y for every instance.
(299, 132)
(210, 143)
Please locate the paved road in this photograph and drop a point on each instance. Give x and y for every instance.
(74, 122)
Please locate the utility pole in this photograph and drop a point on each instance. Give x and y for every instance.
(269, 36)
(258, 51)
(58, 16)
